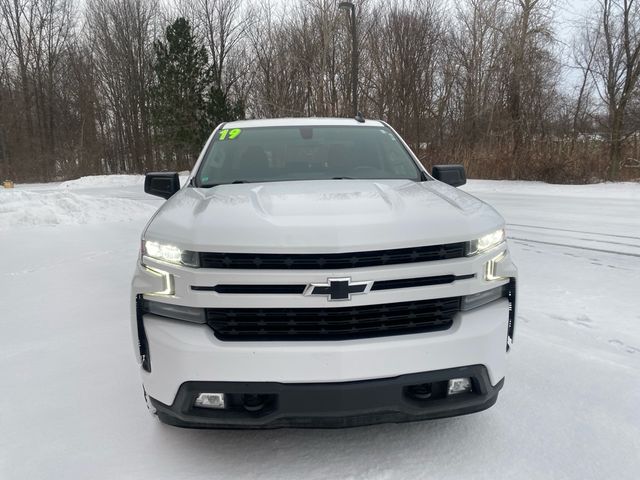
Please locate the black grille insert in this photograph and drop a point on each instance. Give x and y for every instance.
(252, 289)
(331, 260)
(418, 282)
(276, 289)
(339, 323)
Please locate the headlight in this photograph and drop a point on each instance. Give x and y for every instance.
(486, 242)
(170, 254)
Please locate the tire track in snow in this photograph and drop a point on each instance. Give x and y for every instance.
(605, 239)
(555, 244)
(584, 239)
(574, 231)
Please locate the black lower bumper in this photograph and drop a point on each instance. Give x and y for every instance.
(417, 396)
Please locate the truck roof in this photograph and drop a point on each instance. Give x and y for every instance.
(301, 122)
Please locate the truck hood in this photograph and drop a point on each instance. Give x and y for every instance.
(322, 216)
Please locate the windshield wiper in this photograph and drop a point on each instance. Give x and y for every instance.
(211, 185)
(343, 178)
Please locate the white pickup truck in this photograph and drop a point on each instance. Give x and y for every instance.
(311, 273)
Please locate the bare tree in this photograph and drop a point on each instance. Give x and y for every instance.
(404, 49)
(477, 45)
(121, 32)
(83, 81)
(54, 24)
(18, 26)
(584, 54)
(223, 26)
(529, 32)
(35, 35)
(295, 57)
(615, 39)
(5, 118)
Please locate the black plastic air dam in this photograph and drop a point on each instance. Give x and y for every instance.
(332, 405)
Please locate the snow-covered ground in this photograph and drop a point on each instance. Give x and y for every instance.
(71, 403)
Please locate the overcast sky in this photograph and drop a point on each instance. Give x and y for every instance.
(570, 14)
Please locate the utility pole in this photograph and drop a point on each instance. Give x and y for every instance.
(351, 9)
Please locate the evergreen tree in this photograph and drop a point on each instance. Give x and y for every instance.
(187, 103)
(183, 77)
(219, 108)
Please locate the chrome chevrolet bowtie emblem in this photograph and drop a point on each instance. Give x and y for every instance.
(338, 288)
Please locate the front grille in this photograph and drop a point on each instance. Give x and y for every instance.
(277, 289)
(375, 258)
(332, 323)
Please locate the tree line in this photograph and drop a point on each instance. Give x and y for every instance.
(128, 86)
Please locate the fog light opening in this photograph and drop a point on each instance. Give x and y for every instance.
(253, 402)
(420, 392)
(459, 385)
(210, 400)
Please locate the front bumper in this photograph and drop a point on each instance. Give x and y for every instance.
(332, 405)
(182, 352)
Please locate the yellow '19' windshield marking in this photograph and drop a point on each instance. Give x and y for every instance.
(229, 134)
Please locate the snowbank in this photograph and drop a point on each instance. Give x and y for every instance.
(104, 181)
(22, 208)
(623, 190)
(94, 181)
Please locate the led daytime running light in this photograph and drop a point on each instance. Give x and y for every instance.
(490, 268)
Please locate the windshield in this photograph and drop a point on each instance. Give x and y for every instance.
(266, 154)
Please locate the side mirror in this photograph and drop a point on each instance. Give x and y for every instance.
(453, 175)
(161, 184)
